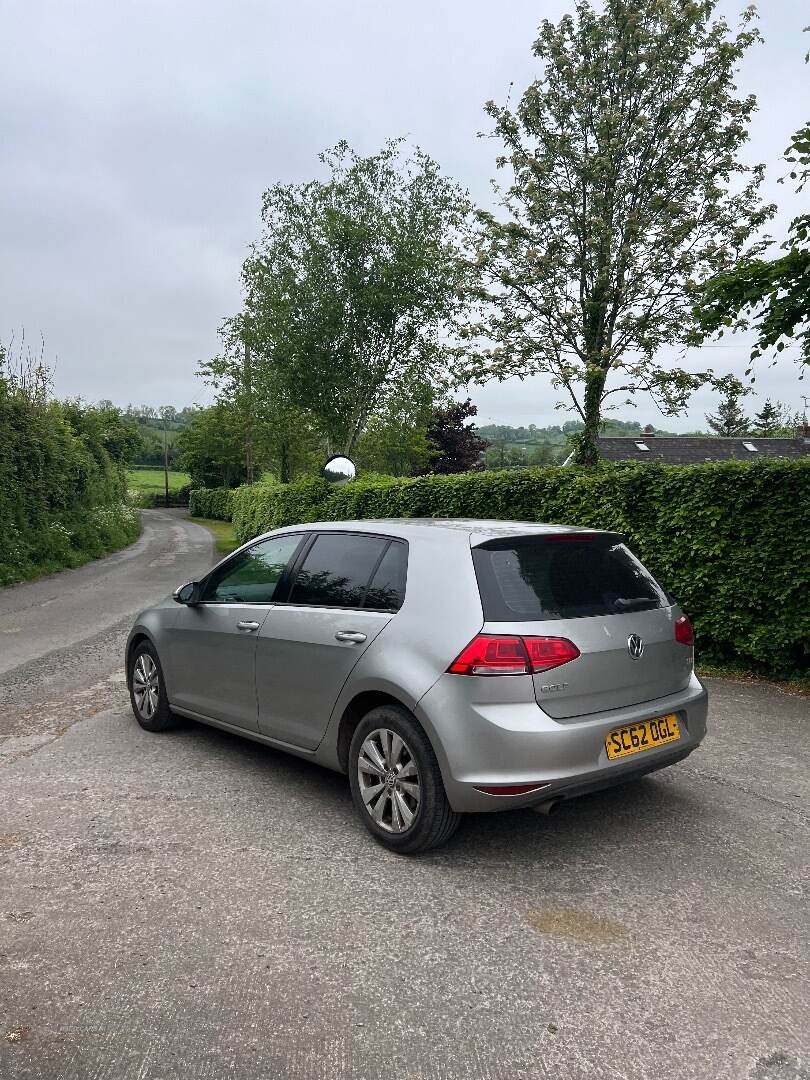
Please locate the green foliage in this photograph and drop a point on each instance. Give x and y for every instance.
(211, 447)
(350, 288)
(772, 296)
(62, 485)
(147, 487)
(626, 188)
(730, 420)
(211, 503)
(729, 540)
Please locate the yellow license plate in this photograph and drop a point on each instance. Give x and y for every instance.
(633, 738)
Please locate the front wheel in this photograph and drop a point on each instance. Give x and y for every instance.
(147, 690)
(396, 783)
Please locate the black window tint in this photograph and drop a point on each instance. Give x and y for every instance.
(387, 589)
(336, 570)
(540, 578)
(252, 576)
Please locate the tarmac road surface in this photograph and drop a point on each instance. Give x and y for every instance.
(192, 905)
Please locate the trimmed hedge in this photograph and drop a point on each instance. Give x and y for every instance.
(214, 503)
(731, 541)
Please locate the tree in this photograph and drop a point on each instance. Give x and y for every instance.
(772, 296)
(350, 287)
(457, 446)
(396, 443)
(211, 447)
(768, 420)
(626, 190)
(730, 420)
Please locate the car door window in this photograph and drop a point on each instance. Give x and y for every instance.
(337, 569)
(387, 589)
(252, 576)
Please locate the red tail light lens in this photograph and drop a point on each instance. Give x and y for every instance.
(684, 632)
(491, 654)
(549, 652)
(499, 654)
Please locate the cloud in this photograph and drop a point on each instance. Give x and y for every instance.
(137, 139)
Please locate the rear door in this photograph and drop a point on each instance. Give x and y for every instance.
(213, 644)
(589, 589)
(343, 593)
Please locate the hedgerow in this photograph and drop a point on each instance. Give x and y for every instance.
(62, 496)
(731, 541)
(211, 503)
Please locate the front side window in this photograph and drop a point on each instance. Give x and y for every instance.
(337, 572)
(568, 576)
(252, 576)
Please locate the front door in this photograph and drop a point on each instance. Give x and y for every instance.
(344, 593)
(213, 643)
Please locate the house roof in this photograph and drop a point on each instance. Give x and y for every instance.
(694, 449)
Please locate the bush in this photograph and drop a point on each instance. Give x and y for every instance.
(211, 503)
(62, 493)
(729, 540)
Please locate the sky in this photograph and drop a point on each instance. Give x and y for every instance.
(136, 139)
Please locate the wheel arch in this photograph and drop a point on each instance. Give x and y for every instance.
(360, 705)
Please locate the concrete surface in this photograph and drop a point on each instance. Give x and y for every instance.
(192, 905)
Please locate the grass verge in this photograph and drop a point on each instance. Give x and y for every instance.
(789, 684)
(224, 538)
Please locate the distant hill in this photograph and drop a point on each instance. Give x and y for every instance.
(151, 427)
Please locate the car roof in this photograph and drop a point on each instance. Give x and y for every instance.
(479, 529)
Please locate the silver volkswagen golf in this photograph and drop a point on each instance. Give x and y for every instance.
(447, 666)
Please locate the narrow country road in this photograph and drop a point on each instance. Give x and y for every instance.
(191, 904)
(62, 636)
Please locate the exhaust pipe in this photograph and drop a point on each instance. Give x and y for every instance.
(551, 806)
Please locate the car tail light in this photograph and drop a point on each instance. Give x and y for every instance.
(570, 538)
(492, 654)
(549, 652)
(684, 632)
(502, 654)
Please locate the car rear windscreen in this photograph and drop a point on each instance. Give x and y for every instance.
(562, 576)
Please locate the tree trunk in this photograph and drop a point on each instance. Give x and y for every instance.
(587, 451)
(284, 464)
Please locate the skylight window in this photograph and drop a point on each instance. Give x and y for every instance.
(643, 446)
(749, 446)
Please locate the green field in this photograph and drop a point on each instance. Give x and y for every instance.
(149, 483)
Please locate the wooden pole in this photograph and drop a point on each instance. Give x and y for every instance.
(165, 460)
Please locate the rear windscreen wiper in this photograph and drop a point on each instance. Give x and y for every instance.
(635, 603)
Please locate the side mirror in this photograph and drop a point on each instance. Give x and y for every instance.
(339, 470)
(188, 594)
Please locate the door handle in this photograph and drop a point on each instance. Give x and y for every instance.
(247, 626)
(353, 636)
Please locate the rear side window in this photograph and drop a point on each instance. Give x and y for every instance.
(387, 589)
(539, 578)
(338, 569)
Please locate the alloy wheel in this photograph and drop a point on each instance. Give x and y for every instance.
(146, 686)
(389, 781)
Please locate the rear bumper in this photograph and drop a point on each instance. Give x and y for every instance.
(489, 744)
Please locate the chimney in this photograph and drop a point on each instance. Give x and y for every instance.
(649, 432)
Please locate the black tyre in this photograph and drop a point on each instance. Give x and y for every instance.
(396, 782)
(147, 690)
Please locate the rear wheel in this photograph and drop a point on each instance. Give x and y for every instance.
(147, 690)
(396, 782)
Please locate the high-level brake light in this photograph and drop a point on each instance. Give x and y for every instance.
(504, 654)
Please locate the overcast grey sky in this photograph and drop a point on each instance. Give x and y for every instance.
(137, 138)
